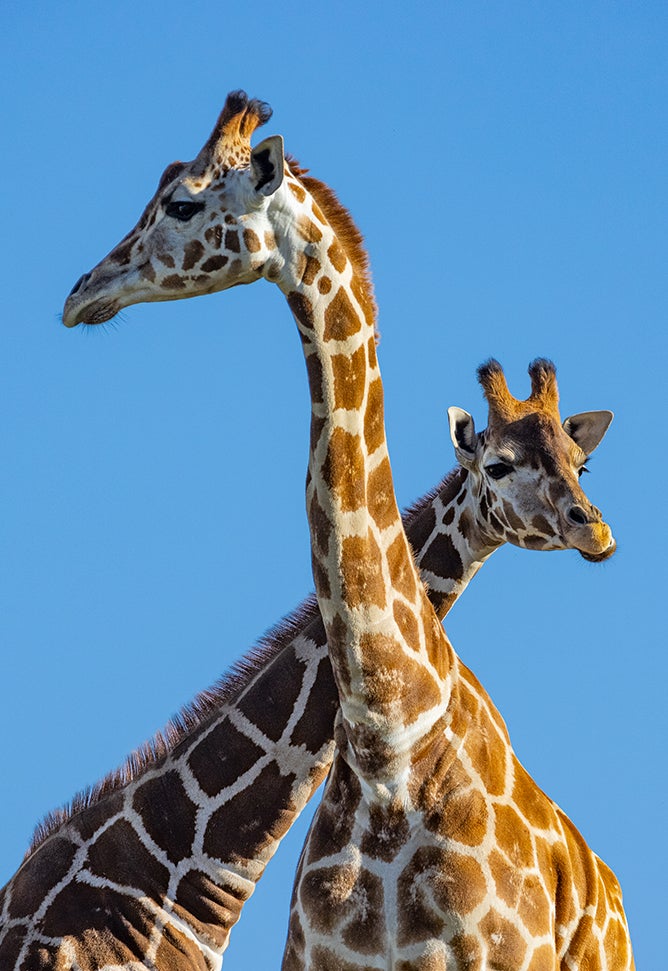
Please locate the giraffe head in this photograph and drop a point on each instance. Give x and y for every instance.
(204, 230)
(526, 465)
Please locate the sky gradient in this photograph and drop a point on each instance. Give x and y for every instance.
(507, 166)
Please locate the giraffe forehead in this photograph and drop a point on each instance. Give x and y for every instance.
(535, 438)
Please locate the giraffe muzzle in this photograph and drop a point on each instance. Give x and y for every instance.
(594, 541)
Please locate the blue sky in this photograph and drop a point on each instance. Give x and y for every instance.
(507, 164)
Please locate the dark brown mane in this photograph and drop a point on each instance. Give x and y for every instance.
(345, 228)
(201, 710)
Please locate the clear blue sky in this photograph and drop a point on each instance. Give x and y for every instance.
(507, 164)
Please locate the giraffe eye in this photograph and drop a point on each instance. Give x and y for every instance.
(497, 470)
(183, 210)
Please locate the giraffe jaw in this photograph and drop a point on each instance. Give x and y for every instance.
(599, 557)
(97, 312)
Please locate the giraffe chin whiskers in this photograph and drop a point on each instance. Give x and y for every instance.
(599, 557)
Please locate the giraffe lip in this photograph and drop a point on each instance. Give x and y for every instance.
(599, 557)
(96, 312)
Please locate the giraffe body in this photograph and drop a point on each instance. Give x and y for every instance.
(419, 817)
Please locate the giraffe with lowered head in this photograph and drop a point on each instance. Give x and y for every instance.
(432, 845)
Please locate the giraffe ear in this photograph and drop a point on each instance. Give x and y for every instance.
(463, 435)
(267, 165)
(588, 428)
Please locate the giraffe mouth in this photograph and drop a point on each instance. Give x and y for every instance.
(97, 312)
(599, 557)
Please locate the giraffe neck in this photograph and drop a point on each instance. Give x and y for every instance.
(390, 659)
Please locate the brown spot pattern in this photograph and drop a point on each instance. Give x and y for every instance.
(343, 471)
(119, 855)
(341, 321)
(168, 814)
(362, 572)
(349, 375)
(252, 241)
(214, 263)
(192, 254)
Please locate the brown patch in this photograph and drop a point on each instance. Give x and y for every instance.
(388, 831)
(223, 756)
(513, 838)
(465, 525)
(362, 572)
(269, 239)
(252, 241)
(302, 309)
(512, 518)
(349, 374)
(364, 300)
(173, 282)
(176, 950)
(343, 471)
(467, 952)
(337, 256)
(167, 259)
(374, 426)
(39, 875)
(308, 230)
(210, 909)
(239, 831)
(366, 932)
(317, 212)
(324, 284)
(214, 263)
(454, 882)
(309, 267)
(391, 679)
(335, 819)
(320, 526)
(108, 927)
(531, 801)
(10, 948)
(87, 823)
(122, 254)
(119, 855)
(297, 191)
(192, 254)
(465, 818)
(505, 945)
(167, 813)
(320, 579)
(341, 321)
(402, 569)
(147, 272)
(534, 908)
(214, 235)
(381, 500)
(316, 725)
(442, 558)
(488, 751)
(232, 241)
(542, 959)
(407, 624)
(541, 524)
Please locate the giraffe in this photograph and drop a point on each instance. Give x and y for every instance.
(432, 844)
(278, 747)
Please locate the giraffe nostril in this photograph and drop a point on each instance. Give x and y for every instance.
(577, 515)
(80, 282)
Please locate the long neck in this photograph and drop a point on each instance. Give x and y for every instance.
(390, 658)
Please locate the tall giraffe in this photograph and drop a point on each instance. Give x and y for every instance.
(432, 844)
(63, 905)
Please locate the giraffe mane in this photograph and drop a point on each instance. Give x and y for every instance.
(347, 231)
(204, 707)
